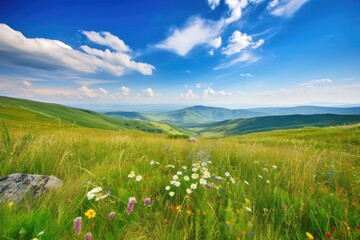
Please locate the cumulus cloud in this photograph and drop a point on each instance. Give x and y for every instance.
(196, 32)
(149, 92)
(125, 90)
(213, 3)
(236, 7)
(285, 8)
(216, 42)
(107, 39)
(239, 41)
(189, 95)
(93, 93)
(209, 91)
(26, 83)
(47, 54)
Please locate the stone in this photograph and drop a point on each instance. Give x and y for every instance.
(15, 187)
(192, 139)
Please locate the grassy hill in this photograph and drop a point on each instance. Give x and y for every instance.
(276, 185)
(23, 113)
(261, 124)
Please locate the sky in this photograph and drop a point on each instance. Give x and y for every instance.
(189, 52)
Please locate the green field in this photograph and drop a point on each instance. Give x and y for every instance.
(273, 185)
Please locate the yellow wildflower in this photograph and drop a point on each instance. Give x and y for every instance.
(309, 235)
(247, 201)
(90, 213)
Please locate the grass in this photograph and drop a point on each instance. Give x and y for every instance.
(286, 183)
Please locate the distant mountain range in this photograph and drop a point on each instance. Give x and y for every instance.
(198, 120)
(269, 123)
(193, 116)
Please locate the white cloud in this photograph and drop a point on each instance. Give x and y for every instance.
(196, 32)
(244, 57)
(239, 41)
(236, 7)
(107, 39)
(211, 52)
(125, 90)
(285, 8)
(256, 1)
(316, 81)
(209, 91)
(258, 44)
(26, 83)
(246, 75)
(189, 95)
(149, 92)
(47, 54)
(93, 93)
(213, 3)
(216, 42)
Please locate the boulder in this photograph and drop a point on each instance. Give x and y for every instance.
(17, 186)
(192, 139)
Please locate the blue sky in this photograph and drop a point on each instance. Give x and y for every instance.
(210, 52)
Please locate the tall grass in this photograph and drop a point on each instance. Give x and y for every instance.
(287, 183)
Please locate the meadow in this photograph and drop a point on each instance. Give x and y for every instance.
(288, 184)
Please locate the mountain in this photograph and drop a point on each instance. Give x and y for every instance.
(23, 112)
(192, 116)
(268, 123)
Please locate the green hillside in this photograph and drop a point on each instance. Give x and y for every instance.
(261, 124)
(24, 113)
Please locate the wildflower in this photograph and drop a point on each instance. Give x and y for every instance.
(193, 186)
(248, 209)
(171, 194)
(131, 174)
(147, 201)
(208, 185)
(194, 169)
(186, 178)
(260, 176)
(232, 180)
(88, 236)
(184, 167)
(175, 177)
(309, 235)
(247, 201)
(227, 174)
(252, 234)
(170, 166)
(131, 204)
(102, 196)
(328, 235)
(179, 173)
(90, 213)
(274, 167)
(267, 181)
(34, 239)
(194, 176)
(188, 212)
(265, 169)
(202, 181)
(334, 228)
(358, 227)
(172, 182)
(188, 191)
(40, 233)
(167, 188)
(178, 208)
(246, 182)
(138, 178)
(10, 204)
(77, 225)
(111, 216)
(152, 162)
(206, 174)
(177, 184)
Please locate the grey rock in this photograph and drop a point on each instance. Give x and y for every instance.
(17, 186)
(192, 139)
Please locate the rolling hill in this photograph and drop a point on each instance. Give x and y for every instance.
(192, 116)
(23, 112)
(268, 123)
